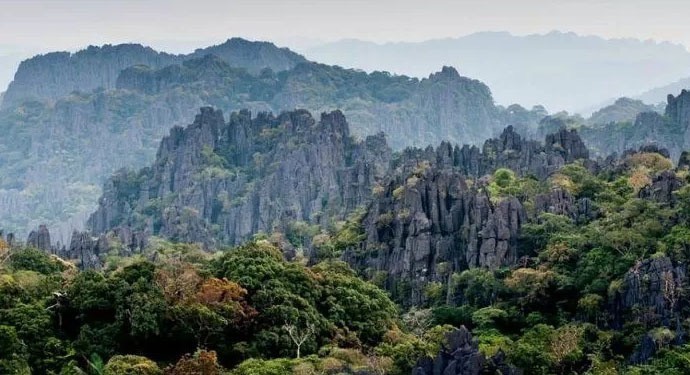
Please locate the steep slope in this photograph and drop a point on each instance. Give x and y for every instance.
(224, 182)
(559, 70)
(64, 148)
(436, 214)
(55, 75)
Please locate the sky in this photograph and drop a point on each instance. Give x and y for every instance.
(32, 26)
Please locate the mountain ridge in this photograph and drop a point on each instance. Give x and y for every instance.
(93, 66)
(506, 63)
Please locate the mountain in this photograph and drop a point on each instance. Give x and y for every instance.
(56, 153)
(669, 130)
(659, 94)
(623, 109)
(57, 74)
(557, 70)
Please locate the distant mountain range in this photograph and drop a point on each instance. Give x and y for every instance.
(562, 71)
(660, 94)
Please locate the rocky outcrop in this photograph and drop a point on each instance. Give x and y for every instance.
(57, 74)
(40, 239)
(422, 228)
(89, 251)
(461, 356)
(662, 188)
(651, 291)
(508, 150)
(561, 202)
(8, 238)
(224, 182)
(684, 161)
(426, 221)
(651, 294)
(216, 182)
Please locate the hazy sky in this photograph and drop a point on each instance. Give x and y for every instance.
(30, 26)
(63, 24)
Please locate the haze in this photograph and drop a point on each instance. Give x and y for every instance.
(30, 27)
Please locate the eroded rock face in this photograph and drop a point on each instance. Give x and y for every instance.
(224, 182)
(461, 356)
(653, 286)
(561, 202)
(220, 183)
(89, 251)
(423, 228)
(651, 294)
(662, 187)
(40, 239)
(509, 150)
(428, 221)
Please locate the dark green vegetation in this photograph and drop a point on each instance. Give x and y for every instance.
(66, 116)
(244, 303)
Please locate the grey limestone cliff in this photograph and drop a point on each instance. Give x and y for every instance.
(218, 182)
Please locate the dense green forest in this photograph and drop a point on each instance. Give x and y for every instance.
(604, 293)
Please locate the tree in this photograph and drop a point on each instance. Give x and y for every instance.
(131, 365)
(34, 260)
(178, 280)
(417, 320)
(201, 363)
(565, 342)
(298, 336)
(13, 355)
(5, 252)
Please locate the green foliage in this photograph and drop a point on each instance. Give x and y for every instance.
(131, 365)
(479, 287)
(504, 183)
(34, 260)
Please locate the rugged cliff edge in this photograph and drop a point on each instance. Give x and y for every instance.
(218, 182)
(434, 216)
